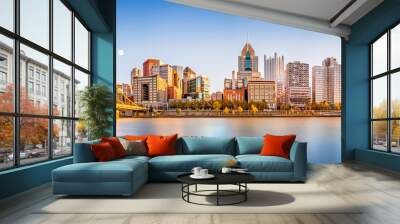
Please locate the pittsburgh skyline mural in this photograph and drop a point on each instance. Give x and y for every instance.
(213, 64)
(293, 89)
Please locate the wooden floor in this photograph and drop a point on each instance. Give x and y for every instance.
(378, 189)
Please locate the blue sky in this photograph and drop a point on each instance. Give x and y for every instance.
(207, 41)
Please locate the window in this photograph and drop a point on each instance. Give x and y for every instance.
(81, 82)
(50, 81)
(385, 94)
(35, 21)
(62, 74)
(6, 142)
(62, 29)
(81, 45)
(6, 74)
(37, 75)
(37, 89)
(3, 78)
(30, 87)
(33, 140)
(62, 137)
(7, 14)
(395, 47)
(40, 62)
(30, 71)
(44, 91)
(3, 61)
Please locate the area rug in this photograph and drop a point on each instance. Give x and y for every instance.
(166, 198)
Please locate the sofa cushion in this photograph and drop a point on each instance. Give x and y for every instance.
(185, 163)
(249, 145)
(196, 145)
(134, 147)
(161, 145)
(134, 157)
(112, 171)
(103, 152)
(116, 145)
(257, 163)
(275, 145)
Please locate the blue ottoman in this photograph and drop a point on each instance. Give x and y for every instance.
(118, 177)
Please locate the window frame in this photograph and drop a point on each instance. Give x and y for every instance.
(388, 74)
(16, 114)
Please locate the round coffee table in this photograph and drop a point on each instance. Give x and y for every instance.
(238, 179)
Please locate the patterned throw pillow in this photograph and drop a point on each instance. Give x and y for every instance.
(134, 147)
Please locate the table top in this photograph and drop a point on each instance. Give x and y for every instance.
(220, 178)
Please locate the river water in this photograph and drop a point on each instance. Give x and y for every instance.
(322, 134)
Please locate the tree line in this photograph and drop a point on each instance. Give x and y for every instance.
(244, 105)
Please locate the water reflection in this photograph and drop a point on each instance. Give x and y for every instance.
(322, 134)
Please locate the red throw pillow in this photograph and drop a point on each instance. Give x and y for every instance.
(136, 137)
(116, 145)
(277, 145)
(161, 145)
(103, 152)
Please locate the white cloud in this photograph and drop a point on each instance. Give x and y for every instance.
(121, 52)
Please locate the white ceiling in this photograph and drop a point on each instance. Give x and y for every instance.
(321, 9)
(314, 15)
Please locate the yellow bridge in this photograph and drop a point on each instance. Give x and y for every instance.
(125, 106)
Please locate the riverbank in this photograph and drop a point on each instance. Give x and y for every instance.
(234, 114)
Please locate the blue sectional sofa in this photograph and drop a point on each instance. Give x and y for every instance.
(125, 176)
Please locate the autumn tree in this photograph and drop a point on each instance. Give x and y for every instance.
(33, 131)
(217, 105)
(226, 110)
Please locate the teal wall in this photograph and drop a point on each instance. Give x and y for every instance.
(99, 16)
(355, 56)
(103, 63)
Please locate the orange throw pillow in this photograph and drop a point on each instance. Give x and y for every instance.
(136, 137)
(277, 145)
(116, 145)
(161, 145)
(103, 151)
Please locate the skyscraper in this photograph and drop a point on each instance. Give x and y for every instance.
(248, 61)
(136, 72)
(334, 76)
(199, 87)
(274, 68)
(298, 91)
(326, 82)
(148, 65)
(179, 70)
(149, 90)
(274, 71)
(248, 64)
(165, 71)
(188, 74)
(319, 84)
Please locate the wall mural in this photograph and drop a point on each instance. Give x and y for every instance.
(196, 72)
